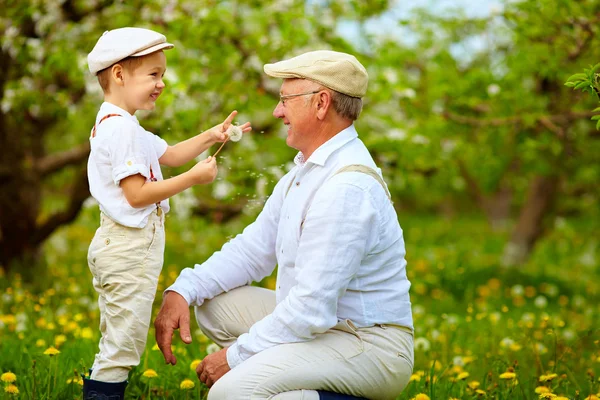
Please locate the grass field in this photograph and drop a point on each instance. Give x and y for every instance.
(482, 331)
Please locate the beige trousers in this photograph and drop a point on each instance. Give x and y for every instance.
(125, 264)
(374, 362)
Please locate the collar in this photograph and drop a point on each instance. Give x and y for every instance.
(109, 108)
(321, 154)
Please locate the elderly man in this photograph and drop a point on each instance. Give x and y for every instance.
(339, 323)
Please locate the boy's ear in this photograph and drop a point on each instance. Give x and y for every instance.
(116, 73)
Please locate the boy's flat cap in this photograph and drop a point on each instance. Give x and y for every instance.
(338, 71)
(118, 44)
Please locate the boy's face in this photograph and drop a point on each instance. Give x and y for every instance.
(144, 84)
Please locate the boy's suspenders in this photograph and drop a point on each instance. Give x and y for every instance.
(152, 178)
(102, 119)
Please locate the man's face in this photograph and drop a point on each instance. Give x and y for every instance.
(298, 113)
(144, 84)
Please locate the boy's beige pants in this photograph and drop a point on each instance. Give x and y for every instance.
(125, 264)
(374, 362)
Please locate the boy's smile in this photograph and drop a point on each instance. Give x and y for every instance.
(141, 87)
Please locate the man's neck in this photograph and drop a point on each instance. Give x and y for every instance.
(324, 133)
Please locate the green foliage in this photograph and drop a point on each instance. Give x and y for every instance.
(588, 81)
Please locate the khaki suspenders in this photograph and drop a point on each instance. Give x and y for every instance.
(355, 168)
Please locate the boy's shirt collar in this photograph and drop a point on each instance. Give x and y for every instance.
(109, 108)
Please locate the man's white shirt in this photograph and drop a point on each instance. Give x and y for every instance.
(122, 148)
(337, 244)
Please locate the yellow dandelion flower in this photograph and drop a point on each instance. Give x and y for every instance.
(187, 384)
(87, 333)
(508, 375)
(150, 373)
(12, 389)
(462, 376)
(548, 378)
(51, 351)
(8, 377)
(40, 343)
(542, 389)
(515, 347)
(480, 392)
(421, 396)
(59, 340)
(415, 377)
(194, 364)
(561, 398)
(592, 397)
(548, 395)
(473, 385)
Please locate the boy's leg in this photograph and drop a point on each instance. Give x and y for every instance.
(371, 362)
(126, 264)
(231, 314)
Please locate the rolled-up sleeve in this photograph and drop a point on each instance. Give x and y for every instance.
(128, 153)
(337, 233)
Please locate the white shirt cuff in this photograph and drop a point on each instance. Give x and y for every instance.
(233, 356)
(180, 290)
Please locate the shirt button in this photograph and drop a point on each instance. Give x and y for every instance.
(107, 241)
(297, 183)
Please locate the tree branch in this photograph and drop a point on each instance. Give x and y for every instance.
(54, 162)
(73, 14)
(79, 193)
(219, 212)
(546, 120)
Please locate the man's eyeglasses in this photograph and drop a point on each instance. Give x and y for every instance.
(289, 96)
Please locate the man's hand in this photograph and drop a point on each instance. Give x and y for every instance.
(213, 367)
(174, 313)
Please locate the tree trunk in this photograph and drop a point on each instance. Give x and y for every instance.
(529, 228)
(20, 193)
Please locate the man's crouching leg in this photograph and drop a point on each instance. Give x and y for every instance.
(231, 314)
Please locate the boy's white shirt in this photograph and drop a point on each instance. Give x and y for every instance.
(122, 148)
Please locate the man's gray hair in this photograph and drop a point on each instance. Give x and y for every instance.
(346, 106)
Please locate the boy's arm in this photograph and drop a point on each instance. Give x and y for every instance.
(140, 193)
(187, 150)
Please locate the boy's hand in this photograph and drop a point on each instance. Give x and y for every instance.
(217, 132)
(205, 171)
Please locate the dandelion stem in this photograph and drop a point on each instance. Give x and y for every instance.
(214, 155)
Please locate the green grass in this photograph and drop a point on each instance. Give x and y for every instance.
(474, 319)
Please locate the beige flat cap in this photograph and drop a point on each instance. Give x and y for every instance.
(338, 71)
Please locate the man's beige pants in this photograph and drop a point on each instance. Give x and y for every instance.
(374, 362)
(125, 263)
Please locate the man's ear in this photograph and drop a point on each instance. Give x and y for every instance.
(116, 73)
(323, 103)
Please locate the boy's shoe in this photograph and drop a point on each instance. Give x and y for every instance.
(97, 390)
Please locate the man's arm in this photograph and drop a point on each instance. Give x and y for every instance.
(187, 150)
(248, 257)
(339, 229)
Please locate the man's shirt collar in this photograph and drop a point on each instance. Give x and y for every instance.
(321, 154)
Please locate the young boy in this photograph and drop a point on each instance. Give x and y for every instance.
(126, 253)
